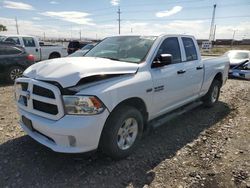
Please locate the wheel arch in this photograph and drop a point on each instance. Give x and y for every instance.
(135, 102)
(219, 77)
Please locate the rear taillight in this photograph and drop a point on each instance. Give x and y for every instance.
(31, 58)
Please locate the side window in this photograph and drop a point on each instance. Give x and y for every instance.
(29, 42)
(171, 46)
(14, 40)
(9, 50)
(191, 53)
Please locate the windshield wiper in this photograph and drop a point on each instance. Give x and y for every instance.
(111, 58)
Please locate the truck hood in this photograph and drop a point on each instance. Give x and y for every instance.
(69, 71)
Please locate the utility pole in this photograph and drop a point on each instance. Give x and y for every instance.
(80, 34)
(214, 32)
(233, 38)
(17, 30)
(44, 36)
(131, 30)
(119, 19)
(212, 25)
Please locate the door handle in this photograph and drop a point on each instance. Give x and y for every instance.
(36, 50)
(199, 67)
(181, 72)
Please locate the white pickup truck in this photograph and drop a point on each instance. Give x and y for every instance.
(108, 98)
(32, 46)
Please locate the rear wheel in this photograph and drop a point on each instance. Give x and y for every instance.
(122, 132)
(54, 55)
(14, 73)
(212, 96)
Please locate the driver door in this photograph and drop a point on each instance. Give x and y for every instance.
(170, 85)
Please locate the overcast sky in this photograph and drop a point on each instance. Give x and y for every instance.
(98, 18)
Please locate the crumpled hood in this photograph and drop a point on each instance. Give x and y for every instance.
(68, 71)
(237, 61)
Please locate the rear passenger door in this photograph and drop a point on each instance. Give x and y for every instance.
(193, 66)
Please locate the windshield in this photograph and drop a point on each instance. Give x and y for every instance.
(123, 48)
(88, 47)
(78, 53)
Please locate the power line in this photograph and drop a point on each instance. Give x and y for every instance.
(167, 3)
(219, 6)
(171, 19)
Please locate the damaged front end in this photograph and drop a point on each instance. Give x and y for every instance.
(241, 71)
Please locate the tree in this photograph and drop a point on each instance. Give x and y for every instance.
(3, 28)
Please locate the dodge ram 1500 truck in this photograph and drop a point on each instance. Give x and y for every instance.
(106, 99)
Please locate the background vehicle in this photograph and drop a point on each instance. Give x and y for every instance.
(108, 98)
(82, 51)
(76, 45)
(237, 57)
(32, 46)
(13, 61)
(241, 71)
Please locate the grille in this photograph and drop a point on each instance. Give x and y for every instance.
(43, 92)
(45, 107)
(23, 85)
(39, 98)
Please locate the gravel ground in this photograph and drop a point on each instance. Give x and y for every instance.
(202, 148)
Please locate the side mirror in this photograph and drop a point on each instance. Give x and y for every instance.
(162, 60)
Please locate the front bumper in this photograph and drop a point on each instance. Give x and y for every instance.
(70, 134)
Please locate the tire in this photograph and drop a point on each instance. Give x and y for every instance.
(54, 55)
(14, 73)
(212, 96)
(112, 142)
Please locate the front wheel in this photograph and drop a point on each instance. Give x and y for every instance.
(212, 96)
(122, 132)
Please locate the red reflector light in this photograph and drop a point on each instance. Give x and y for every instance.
(30, 57)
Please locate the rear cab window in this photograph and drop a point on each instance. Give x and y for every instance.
(29, 42)
(190, 49)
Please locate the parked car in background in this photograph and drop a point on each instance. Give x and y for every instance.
(109, 97)
(82, 51)
(13, 61)
(237, 57)
(76, 45)
(32, 46)
(241, 71)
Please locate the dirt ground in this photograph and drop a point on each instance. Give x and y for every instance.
(206, 147)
